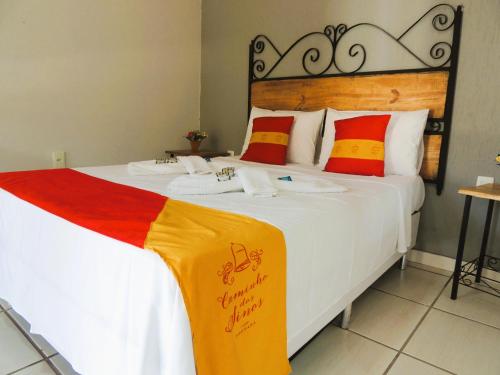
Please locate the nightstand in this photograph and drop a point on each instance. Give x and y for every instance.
(464, 273)
(207, 154)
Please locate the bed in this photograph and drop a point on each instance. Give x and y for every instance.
(109, 307)
(91, 314)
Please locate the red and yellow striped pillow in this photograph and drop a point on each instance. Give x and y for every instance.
(269, 141)
(359, 146)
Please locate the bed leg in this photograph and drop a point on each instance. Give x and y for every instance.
(403, 262)
(346, 316)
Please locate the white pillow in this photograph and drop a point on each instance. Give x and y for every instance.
(403, 138)
(303, 136)
(421, 154)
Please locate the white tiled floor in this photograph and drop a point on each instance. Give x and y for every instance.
(405, 324)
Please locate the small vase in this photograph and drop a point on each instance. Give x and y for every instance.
(195, 146)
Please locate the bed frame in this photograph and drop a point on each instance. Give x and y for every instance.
(332, 72)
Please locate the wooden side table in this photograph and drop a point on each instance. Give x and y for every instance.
(207, 154)
(474, 268)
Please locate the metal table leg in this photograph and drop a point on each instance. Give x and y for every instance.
(484, 243)
(461, 244)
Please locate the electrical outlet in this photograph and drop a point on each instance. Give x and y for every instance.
(230, 152)
(482, 180)
(58, 159)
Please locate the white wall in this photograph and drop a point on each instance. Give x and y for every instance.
(108, 81)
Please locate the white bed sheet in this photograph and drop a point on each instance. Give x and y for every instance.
(111, 308)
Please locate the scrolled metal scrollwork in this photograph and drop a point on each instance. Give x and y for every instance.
(469, 271)
(310, 57)
(492, 263)
(442, 21)
(342, 55)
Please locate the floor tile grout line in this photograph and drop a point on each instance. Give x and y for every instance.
(416, 328)
(53, 366)
(429, 307)
(419, 303)
(434, 272)
(26, 335)
(34, 344)
(26, 367)
(396, 350)
(428, 363)
(466, 318)
(406, 299)
(372, 340)
(434, 307)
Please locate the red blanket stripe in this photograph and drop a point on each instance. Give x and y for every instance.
(117, 211)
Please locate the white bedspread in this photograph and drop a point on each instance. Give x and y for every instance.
(111, 308)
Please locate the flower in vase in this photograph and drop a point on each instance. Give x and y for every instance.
(196, 135)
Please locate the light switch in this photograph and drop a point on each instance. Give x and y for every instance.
(58, 159)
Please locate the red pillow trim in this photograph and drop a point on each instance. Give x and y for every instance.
(269, 141)
(359, 146)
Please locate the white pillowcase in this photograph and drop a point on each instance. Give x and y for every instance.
(303, 136)
(403, 139)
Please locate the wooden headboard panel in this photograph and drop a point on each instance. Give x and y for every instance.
(380, 92)
(326, 83)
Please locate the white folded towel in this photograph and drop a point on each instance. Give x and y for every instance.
(149, 167)
(309, 184)
(268, 185)
(202, 185)
(195, 164)
(257, 182)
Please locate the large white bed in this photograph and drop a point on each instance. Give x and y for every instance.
(111, 308)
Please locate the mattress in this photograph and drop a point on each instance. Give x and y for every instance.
(112, 308)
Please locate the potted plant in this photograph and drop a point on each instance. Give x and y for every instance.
(195, 137)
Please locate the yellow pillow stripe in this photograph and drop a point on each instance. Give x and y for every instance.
(358, 149)
(270, 137)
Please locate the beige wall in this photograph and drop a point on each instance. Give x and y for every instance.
(228, 26)
(108, 81)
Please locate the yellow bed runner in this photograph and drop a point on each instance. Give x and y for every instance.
(232, 272)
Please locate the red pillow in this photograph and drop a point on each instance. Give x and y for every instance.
(359, 146)
(269, 141)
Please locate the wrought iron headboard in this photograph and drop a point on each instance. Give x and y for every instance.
(265, 60)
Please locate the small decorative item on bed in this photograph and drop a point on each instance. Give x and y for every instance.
(337, 69)
(226, 174)
(195, 137)
(168, 159)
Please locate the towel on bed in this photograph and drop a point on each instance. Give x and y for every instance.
(195, 164)
(202, 185)
(256, 182)
(150, 167)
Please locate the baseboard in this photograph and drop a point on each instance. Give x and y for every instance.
(442, 262)
(432, 260)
